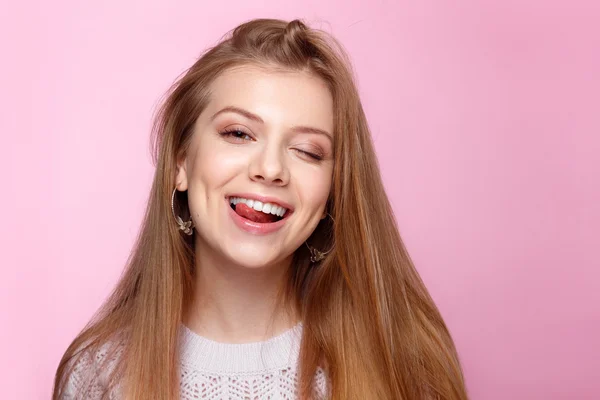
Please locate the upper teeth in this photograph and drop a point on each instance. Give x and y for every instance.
(267, 208)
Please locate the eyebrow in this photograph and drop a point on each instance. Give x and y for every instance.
(247, 114)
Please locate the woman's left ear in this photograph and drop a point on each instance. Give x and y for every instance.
(181, 182)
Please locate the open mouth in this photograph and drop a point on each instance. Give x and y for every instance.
(257, 211)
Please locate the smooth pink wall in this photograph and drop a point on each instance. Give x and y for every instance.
(486, 118)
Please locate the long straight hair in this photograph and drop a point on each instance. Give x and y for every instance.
(368, 318)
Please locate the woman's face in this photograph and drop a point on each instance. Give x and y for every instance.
(259, 168)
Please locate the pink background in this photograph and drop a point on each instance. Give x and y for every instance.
(486, 118)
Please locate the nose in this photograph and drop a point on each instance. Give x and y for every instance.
(268, 166)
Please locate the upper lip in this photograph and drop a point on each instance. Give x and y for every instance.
(263, 199)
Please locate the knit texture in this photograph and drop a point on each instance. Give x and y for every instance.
(211, 370)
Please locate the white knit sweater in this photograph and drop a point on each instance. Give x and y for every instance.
(210, 370)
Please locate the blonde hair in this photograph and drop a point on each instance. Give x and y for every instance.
(368, 318)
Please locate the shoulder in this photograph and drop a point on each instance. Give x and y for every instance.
(321, 387)
(90, 370)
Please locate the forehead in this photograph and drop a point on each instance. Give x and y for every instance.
(278, 97)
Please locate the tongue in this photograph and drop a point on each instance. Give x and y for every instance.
(253, 215)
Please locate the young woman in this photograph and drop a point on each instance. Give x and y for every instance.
(269, 264)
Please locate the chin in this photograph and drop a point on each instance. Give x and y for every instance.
(253, 257)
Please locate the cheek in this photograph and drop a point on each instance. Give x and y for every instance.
(215, 164)
(314, 187)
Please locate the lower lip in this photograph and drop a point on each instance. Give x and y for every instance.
(256, 228)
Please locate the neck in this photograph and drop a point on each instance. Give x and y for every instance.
(236, 304)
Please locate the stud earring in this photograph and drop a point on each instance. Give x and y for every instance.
(186, 227)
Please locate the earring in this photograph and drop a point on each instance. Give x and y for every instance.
(316, 255)
(186, 227)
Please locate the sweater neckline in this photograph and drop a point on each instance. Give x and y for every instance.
(203, 354)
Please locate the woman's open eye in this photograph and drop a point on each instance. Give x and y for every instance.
(236, 134)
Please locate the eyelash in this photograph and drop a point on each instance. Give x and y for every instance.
(233, 132)
(239, 134)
